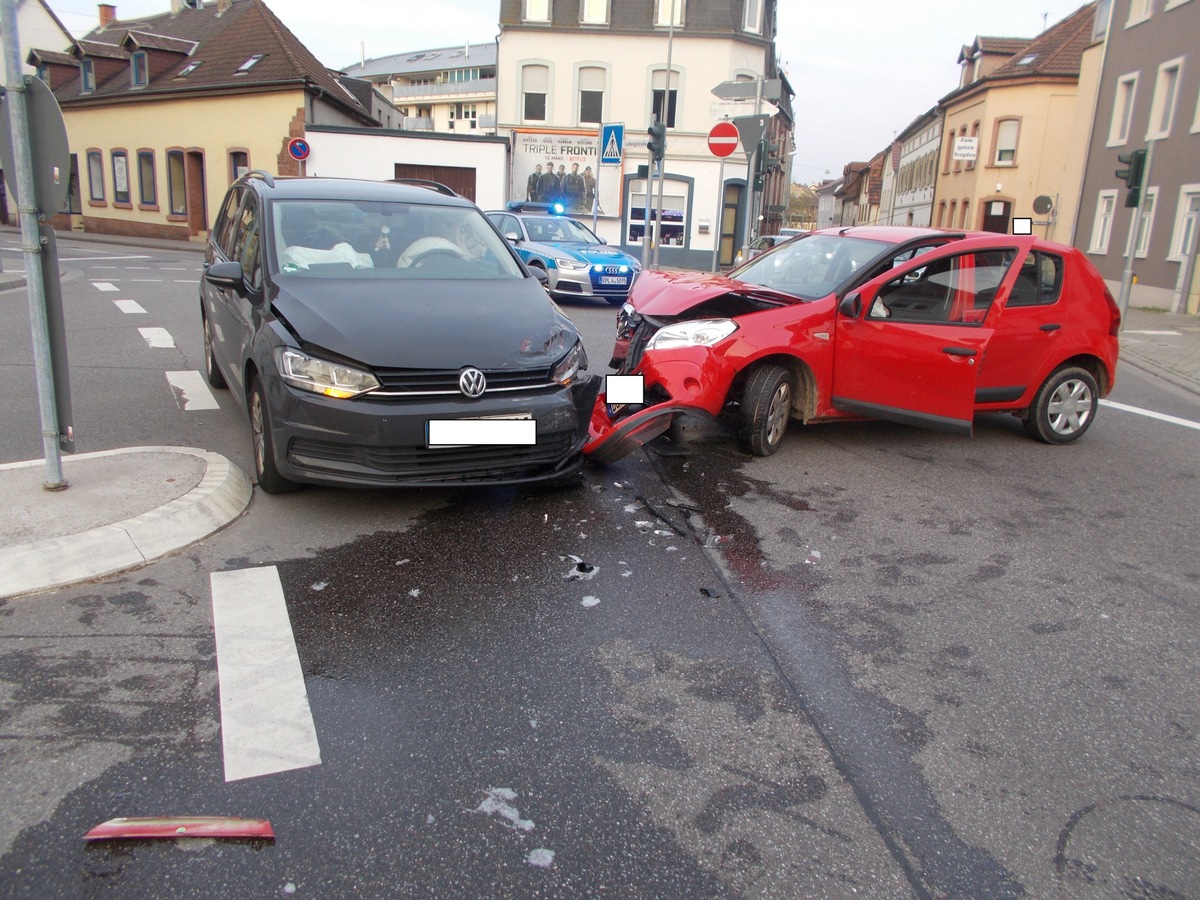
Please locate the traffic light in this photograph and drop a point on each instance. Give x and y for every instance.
(767, 157)
(1135, 161)
(658, 140)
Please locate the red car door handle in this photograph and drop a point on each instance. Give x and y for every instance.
(1051, 327)
(959, 351)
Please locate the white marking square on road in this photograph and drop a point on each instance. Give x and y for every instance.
(266, 722)
(158, 337)
(192, 390)
(104, 286)
(129, 306)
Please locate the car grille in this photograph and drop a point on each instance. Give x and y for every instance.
(425, 382)
(449, 464)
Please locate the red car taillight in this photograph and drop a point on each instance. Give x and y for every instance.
(1114, 326)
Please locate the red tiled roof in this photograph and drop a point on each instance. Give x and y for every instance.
(1058, 51)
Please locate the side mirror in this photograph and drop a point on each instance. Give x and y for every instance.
(541, 275)
(513, 238)
(227, 275)
(851, 306)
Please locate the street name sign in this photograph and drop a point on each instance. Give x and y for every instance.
(748, 90)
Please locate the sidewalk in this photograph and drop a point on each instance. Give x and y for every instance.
(127, 507)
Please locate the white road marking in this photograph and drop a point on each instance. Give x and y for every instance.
(97, 259)
(146, 280)
(1162, 417)
(158, 338)
(187, 281)
(1160, 333)
(172, 269)
(104, 286)
(192, 390)
(129, 306)
(266, 722)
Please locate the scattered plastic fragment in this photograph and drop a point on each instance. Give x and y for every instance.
(672, 549)
(320, 585)
(289, 888)
(589, 601)
(632, 507)
(626, 573)
(181, 827)
(663, 516)
(541, 857)
(497, 802)
(814, 557)
(401, 562)
(718, 540)
(644, 526)
(679, 504)
(581, 572)
(707, 592)
(415, 592)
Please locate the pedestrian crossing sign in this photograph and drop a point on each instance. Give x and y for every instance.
(612, 140)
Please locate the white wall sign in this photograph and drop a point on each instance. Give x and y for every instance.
(966, 148)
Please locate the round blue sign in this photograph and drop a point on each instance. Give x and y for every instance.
(298, 148)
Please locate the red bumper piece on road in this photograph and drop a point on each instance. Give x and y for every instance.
(180, 827)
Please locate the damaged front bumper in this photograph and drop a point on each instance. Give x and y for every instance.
(685, 380)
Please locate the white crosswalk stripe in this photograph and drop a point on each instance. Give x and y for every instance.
(129, 306)
(266, 722)
(104, 286)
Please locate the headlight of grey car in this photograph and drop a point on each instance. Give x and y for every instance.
(570, 365)
(320, 376)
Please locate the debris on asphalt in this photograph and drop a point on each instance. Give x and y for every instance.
(718, 540)
(589, 601)
(686, 507)
(678, 529)
(581, 571)
(541, 857)
(496, 802)
(181, 827)
(320, 585)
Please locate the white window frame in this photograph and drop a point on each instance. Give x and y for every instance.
(1158, 107)
(1102, 224)
(662, 13)
(996, 160)
(529, 63)
(1144, 225)
(593, 12)
(1171, 4)
(1187, 193)
(752, 18)
(606, 76)
(1139, 11)
(537, 11)
(1122, 119)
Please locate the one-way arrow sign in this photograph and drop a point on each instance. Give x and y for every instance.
(748, 90)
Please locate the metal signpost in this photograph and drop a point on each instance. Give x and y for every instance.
(722, 141)
(35, 131)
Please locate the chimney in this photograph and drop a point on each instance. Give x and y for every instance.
(108, 15)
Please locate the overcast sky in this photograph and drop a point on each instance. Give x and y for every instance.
(862, 69)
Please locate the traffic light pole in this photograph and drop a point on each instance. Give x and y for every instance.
(666, 116)
(1134, 234)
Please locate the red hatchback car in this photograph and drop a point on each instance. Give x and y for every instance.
(915, 325)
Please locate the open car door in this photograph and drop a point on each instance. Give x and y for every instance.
(909, 344)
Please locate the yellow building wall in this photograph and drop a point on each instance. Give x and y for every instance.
(256, 123)
(1048, 160)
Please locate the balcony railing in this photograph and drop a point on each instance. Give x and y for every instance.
(449, 89)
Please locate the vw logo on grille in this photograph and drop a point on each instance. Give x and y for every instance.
(472, 382)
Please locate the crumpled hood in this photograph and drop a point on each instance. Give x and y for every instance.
(428, 323)
(672, 293)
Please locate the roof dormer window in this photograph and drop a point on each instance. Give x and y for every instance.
(87, 75)
(140, 69)
(190, 68)
(249, 64)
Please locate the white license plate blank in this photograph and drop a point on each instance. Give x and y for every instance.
(480, 432)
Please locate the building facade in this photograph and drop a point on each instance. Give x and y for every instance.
(1149, 98)
(565, 67)
(1022, 116)
(912, 198)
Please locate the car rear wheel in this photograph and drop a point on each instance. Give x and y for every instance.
(268, 476)
(766, 409)
(1064, 406)
(211, 371)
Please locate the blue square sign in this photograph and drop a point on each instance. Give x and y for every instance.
(612, 142)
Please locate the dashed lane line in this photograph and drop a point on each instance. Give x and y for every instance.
(191, 391)
(158, 338)
(266, 722)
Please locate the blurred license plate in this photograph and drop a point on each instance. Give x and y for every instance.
(613, 279)
(481, 431)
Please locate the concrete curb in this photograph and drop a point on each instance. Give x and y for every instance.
(222, 495)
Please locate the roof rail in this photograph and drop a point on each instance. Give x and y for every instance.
(264, 175)
(426, 183)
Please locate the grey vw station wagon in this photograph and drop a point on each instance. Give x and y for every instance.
(353, 319)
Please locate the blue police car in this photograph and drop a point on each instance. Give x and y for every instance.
(576, 261)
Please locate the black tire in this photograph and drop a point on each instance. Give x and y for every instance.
(1064, 406)
(766, 409)
(268, 476)
(211, 370)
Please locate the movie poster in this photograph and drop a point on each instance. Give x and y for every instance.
(564, 168)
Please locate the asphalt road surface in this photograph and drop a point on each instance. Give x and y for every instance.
(882, 663)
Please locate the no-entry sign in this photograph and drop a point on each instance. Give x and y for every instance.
(723, 139)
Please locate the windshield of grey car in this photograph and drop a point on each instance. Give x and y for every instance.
(812, 267)
(360, 239)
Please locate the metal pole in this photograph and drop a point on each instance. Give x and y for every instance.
(649, 186)
(1187, 271)
(31, 236)
(719, 221)
(1134, 228)
(666, 117)
(596, 189)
